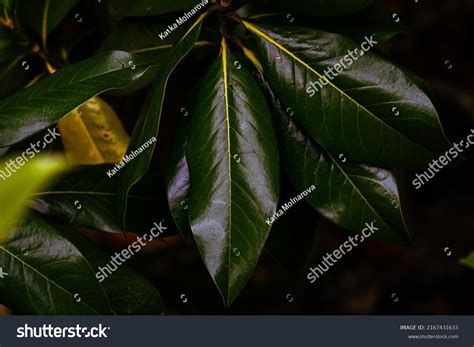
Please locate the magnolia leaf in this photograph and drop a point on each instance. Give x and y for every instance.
(140, 36)
(93, 134)
(48, 275)
(128, 292)
(233, 164)
(347, 194)
(148, 123)
(368, 110)
(177, 183)
(44, 103)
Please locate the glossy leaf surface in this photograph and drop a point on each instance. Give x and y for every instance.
(37, 107)
(347, 194)
(233, 163)
(177, 182)
(47, 274)
(148, 123)
(370, 112)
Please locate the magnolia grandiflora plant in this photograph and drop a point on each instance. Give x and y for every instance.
(249, 119)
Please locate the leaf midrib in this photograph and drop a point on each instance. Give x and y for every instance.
(226, 98)
(262, 34)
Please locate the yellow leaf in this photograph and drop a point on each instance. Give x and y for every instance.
(93, 134)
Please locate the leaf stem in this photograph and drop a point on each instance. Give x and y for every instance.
(38, 51)
(248, 53)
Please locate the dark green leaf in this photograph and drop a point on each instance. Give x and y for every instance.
(177, 183)
(128, 291)
(148, 123)
(47, 274)
(370, 112)
(140, 36)
(233, 164)
(86, 197)
(349, 195)
(37, 107)
(319, 8)
(177, 172)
